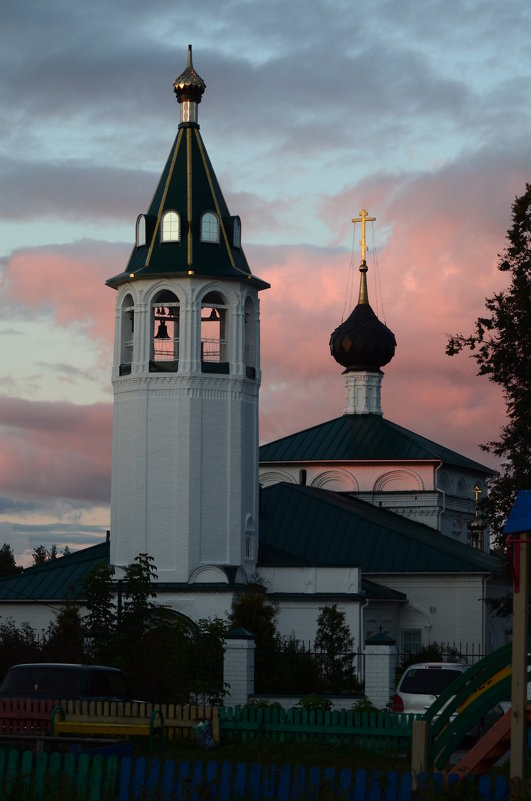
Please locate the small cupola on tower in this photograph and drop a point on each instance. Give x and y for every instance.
(189, 88)
(363, 345)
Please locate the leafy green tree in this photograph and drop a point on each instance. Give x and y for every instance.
(8, 566)
(42, 554)
(254, 611)
(18, 644)
(100, 622)
(501, 347)
(208, 650)
(138, 595)
(66, 636)
(335, 642)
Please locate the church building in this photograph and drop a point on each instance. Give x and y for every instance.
(356, 511)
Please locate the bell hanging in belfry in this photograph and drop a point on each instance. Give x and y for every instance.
(162, 333)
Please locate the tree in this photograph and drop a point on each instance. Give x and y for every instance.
(42, 554)
(66, 636)
(334, 640)
(100, 622)
(8, 566)
(138, 592)
(501, 347)
(255, 612)
(17, 644)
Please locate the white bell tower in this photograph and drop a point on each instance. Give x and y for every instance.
(186, 376)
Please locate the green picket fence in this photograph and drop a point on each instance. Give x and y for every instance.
(369, 730)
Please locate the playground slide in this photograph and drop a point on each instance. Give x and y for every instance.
(486, 752)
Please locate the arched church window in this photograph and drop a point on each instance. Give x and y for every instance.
(214, 339)
(209, 227)
(250, 339)
(165, 316)
(141, 231)
(171, 227)
(127, 329)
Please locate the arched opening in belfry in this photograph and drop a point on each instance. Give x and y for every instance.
(127, 329)
(164, 331)
(250, 353)
(214, 334)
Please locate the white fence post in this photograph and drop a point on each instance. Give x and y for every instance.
(380, 667)
(238, 665)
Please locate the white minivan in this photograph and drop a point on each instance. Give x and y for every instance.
(421, 684)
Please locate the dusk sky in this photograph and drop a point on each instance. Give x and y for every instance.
(419, 112)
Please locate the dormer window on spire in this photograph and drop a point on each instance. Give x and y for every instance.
(171, 227)
(141, 231)
(210, 227)
(237, 233)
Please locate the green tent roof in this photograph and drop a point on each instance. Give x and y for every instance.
(56, 580)
(188, 185)
(361, 437)
(304, 525)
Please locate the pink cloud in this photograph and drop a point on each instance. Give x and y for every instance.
(55, 449)
(69, 282)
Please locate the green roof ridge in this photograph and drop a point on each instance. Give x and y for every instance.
(361, 437)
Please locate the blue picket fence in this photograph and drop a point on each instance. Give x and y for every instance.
(98, 778)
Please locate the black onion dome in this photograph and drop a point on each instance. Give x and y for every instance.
(362, 342)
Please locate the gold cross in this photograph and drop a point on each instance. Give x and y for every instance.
(363, 219)
(477, 492)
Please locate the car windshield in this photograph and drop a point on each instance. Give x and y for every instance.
(428, 681)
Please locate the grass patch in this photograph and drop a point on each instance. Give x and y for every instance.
(268, 752)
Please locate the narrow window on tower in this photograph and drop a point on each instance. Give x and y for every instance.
(127, 329)
(171, 227)
(209, 228)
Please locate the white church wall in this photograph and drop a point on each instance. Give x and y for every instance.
(443, 608)
(37, 615)
(311, 579)
(300, 594)
(297, 617)
(198, 605)
(380, 616)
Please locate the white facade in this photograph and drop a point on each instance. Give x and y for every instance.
(185, 441)
(442, 607)
(301, 592)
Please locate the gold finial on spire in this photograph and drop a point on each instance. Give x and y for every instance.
(363, 218)
(477, 492)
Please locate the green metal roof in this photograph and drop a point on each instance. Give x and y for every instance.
(379, 592)
(304, 525)
(361, 437)
(56, 580)
(188, 185)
